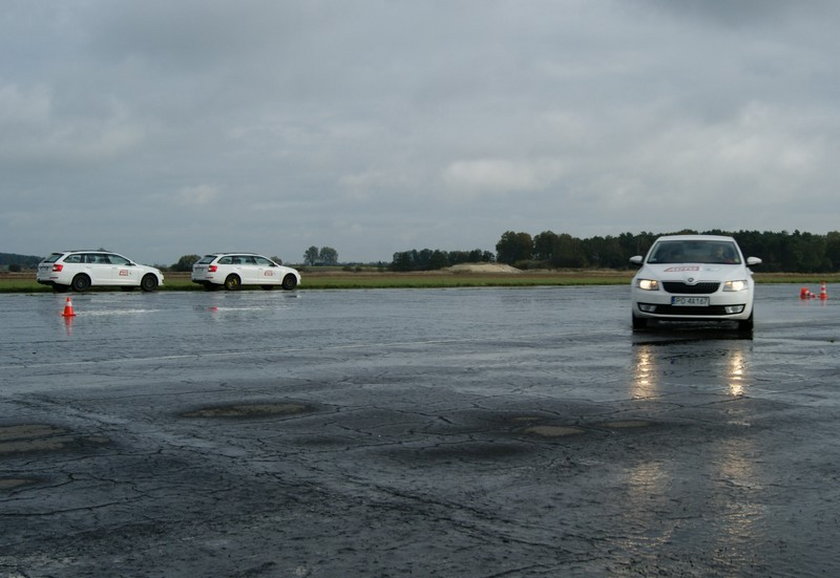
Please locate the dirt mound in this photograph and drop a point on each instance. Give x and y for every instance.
(483, 268)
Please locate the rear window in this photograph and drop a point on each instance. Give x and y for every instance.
(53, 258)
(206, 260)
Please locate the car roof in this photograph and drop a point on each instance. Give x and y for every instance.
(87, 251)
(695, 238)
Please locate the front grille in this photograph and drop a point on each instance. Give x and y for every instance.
(697, 289)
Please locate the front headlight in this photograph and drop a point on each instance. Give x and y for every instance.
(647, 284)
(738, 285)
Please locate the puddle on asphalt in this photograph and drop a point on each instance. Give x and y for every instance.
(553, 431)
(12, 483)
(250, 410)
(472, 451)
(558, 431)
(26, 438)
(625, 424)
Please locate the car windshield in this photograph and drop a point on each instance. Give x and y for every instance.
(717, 252)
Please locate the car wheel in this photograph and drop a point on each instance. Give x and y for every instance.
(639, 323)
(149, 282)
(233, 282)
(80, 283)
(289, 282)
(746, 325)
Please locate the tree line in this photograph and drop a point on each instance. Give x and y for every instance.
(429, 260)
(312, 256)
(796, 252)
(14, 262)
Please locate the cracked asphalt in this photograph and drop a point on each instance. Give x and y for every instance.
(452, 432)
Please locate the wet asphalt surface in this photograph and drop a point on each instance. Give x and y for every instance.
(461, 432)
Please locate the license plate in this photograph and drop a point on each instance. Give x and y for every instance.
(690, 301)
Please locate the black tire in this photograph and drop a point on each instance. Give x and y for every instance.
(639, 323)
(148, 283)
(746, 325)
(289, 282)
(80, 283)
(233, 282)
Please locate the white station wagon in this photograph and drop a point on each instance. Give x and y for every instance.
(81, 270)
(233, 270)
(693, 278)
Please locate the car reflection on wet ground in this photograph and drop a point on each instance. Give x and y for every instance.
(474, 432)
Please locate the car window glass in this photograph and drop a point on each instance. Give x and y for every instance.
(668, 252)
(715, 252)
(723, 253)
(262, 261)
(248, 260)
(98, 258)
(54, 257)
(118, 260)
(206, 259)
(73, 259)
(225, 261)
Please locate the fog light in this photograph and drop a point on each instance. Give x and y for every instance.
(648, 308)
(732, 309)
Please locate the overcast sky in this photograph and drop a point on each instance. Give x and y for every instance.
(160, 128)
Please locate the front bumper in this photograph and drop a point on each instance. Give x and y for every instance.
(722, 306)
(736, 311)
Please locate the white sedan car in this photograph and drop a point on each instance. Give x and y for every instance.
(693, 278)
(81, 270)
(233, 270)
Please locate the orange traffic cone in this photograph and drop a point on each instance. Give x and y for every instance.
(68, 309)
(823, 291)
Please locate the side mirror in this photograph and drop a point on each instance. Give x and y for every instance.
(637, 259)
(753, 261)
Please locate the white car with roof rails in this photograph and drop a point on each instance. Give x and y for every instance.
(234, 270)
(81, 270)
(693, 278)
